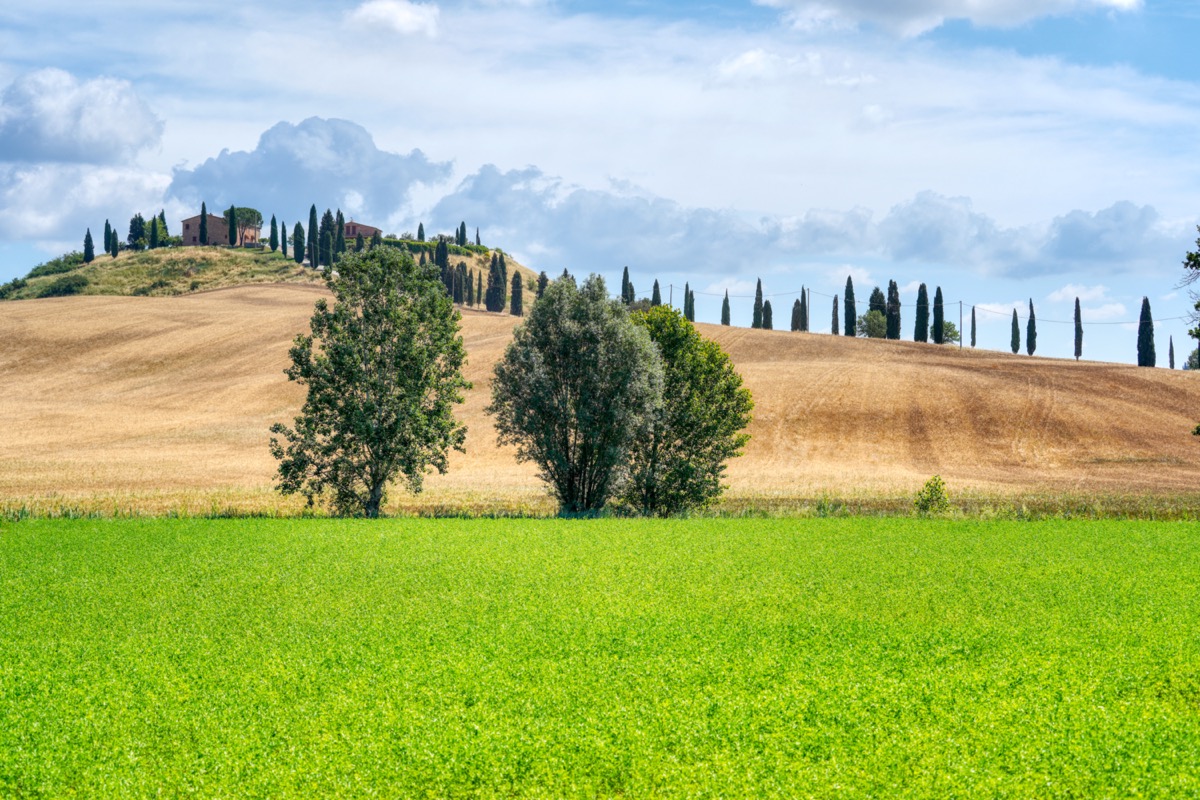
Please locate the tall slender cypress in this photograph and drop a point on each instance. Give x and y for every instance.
(803, 309)
(938, 331)
(757, 321)
(656, 295)
(1145, 340)
(153, 227)
(1031, 330)
(625, 292)
(972, 326)
(1015, 342)
(274, 240)
(107, 237)
(503, 280)
(162, 226)
(1078, 331)
(339, 239)
(479, 287)
(420, 231)
(283, 239)
(477, 242)
(767, 323)
(89, 247)
(1170, 352)
(893, 311)
(725, 309)
(471, 287)
(921, 326)
(203, 223)
(298, 243)
(231, 221)
(689, 312)
(795, 315)
(313, 234)
(849, 311)
(833, 328)
(376, 239)
(692, 305)
(543, 282)
(360, 243)
(517, 304)
(326, 248)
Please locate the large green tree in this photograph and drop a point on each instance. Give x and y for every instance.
(803, 309)
(313, 236)
(626, 288)
(795, 326)
(1145, 338)
(383, 371)
(677, 466)
(576, 390)
(283, 239)
(872, 325)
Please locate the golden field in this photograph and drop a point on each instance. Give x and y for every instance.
(163, 404)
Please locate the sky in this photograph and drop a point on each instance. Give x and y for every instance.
(1006, 151)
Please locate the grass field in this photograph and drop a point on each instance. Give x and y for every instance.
(758, 658)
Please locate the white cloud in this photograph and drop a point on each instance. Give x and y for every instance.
(399, 16)
(49, 115)
(1072, 291)
(914, 17)
(1103, 313)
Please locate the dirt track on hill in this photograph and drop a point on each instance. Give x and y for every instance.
(139, 395)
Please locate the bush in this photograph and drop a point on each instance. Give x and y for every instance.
(7, 290)
(57, 266)
(932, 499)
(64, 286)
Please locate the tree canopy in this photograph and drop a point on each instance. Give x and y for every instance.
(383, 367)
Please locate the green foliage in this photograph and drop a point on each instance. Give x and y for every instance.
(893, 311)
(757, 318)
(1170, 352)
(231, 226)
(877, 302)
(921, 331)
(1015, 340)
(68, 262)
(627, 295)
(283, 240)
(89, 248)
(360, 243)
(933, 499)
(64, 286)
(516, 304)
(420, 231)
(298, 242)
(795, 326)
(575, 390)
(383, 371)
(803, 316)
(273, 242)
(937, 330)
(972, 326)
(656, 295)
(1078, 329)
(543, 281)
(768, 322)
(137, 233)
(203, 223)
(950, 334)
(872, 325)
(1145, 339)
(677, 466)
(923, 658)
(9, 289)
(725, 309)
(834, 323)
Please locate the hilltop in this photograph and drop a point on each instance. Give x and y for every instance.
(163, 398)
(171, 271)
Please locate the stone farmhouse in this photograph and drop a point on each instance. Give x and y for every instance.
(353, 229)
(218, 232)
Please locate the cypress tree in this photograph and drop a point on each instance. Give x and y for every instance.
(757, 320)
(1078, 331)
(313, 234)
(877, 302)
(625, 287)
(154, 233)
(477, 242)
(893, 311)
(441, 255)
(231, 223)
(89, 248)
(632, 291)
(339, 242)
(1031, 331)
(162, 225)
(325, 248)
(725, 309)
(517, 306)
(479, 287)
(544, 281)
(972, 326)
(656, 295)
(114, 243)
(203, 223)
(803, 310)
(1170, 352)
(687, 309)
(298, 243)
(849, 311)
(137, 232)
(504, 281)
(376, 239)
(1145, 340)
(833, 327)
(471, 287)
(692, 306)
(107, 237)
(420, 231)
(360, 243)
(494, 300)
(274, 240)
(938, 332)
(423, 261)
(766, 316)
(921, 328)
(1016, 334)
(283, 239)
(795, 315)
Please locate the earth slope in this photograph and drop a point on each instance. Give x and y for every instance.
(172, 398)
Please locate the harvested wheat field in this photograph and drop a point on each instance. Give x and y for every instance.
(163, 404)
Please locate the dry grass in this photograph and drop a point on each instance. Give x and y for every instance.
(132, 405)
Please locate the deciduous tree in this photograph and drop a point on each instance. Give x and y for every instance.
(383, 371)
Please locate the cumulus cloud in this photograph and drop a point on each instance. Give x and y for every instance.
(1085, 294)
(329, 162)
(399, 16)
(49, 115)
(914, 17)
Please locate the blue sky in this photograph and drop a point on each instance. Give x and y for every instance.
(1005, 150)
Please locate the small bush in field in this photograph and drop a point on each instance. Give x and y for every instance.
(932, 499)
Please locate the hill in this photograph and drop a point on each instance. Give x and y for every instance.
(172, 271)
(165, 402)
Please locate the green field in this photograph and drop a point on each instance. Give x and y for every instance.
(843, 657)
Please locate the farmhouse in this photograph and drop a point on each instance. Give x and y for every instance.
(353, 229)
(218, 231)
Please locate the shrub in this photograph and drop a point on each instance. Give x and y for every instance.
(932, 499)
(57, 266)
(7, 290)
(64, 286)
